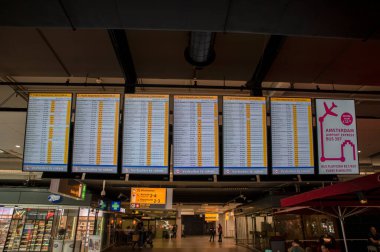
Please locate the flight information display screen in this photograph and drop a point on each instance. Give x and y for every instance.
(244, 136)
(96, 133)
(292, 136)
(47, 132)
(196, 140)
(146, 134)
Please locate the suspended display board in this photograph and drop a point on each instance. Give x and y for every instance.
(337, 138)
(244, 135)
(96, 133)
(151, 198)
(292, 136)
(196, 138)
(146, 134)
(47, 132)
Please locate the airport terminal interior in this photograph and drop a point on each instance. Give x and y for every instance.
(228, 125)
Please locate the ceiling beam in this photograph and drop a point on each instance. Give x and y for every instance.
(270, 53)
(199, 86)
(123, 53)
(7, 109)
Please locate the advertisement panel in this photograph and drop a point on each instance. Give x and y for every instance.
(337, 138)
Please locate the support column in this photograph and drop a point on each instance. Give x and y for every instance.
(271, 50)
(178, 221)
(123, 54)
(341, 219)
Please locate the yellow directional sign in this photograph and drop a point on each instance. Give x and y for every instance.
(211, 217)
(154, 196)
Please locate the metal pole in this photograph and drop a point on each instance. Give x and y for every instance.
(341, 219)
(236, 234)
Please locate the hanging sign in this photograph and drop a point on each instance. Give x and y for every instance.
(211, 217)
(337, 137)
(151, 198)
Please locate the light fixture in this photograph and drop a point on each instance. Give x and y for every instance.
(18, 146)
(362, 198)
(200, 50)
(359, 151)
(1, 151)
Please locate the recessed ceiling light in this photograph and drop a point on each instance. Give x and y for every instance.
(18, 146)
(359, 151)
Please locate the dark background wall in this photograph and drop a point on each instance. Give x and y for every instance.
(194, 225)
(357, 227)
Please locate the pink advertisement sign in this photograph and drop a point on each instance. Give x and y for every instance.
(337, 139)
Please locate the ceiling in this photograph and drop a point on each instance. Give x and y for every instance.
(302, 18)
(31, 52)
(318, 60)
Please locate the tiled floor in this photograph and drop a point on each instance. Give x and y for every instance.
(188, 244)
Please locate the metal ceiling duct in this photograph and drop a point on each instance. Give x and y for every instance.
(200, 51)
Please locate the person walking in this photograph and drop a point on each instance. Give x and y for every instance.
(374, 239)
(220, 232)
(296, 247)
(212, 233)
(174, 231)
(324, 248)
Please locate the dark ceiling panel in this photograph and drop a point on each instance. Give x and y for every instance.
(324, 18)
(237, 56)
(36, 13)
(304, 59)
(357, 64)
(85, 52)
(23, 52)
(159, 54)
(321, 60)
(321, 18)
(148, 14)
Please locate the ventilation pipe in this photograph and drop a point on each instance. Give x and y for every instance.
(200, 51)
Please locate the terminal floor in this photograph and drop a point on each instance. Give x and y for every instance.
(188, 244)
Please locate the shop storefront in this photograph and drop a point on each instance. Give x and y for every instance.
(35, 224)
(256, 230)
(161, 227)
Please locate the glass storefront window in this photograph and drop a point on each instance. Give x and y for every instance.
(318, 225)
(89, 223)
(64, 235)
